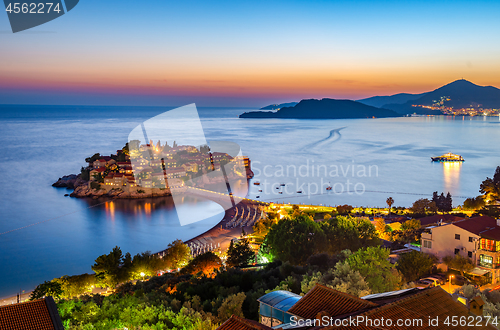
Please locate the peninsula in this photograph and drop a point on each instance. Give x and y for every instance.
(324, 109)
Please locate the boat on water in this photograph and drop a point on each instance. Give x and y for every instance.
(449, 157)
(257, 183)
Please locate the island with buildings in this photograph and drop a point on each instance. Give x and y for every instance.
(154, 170)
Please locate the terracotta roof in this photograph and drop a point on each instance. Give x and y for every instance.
(433, 302)
(477, 225)
(99, 169)
(39, 314)
(493, 234)
(335, 303)
(239, 323)
(447, 218)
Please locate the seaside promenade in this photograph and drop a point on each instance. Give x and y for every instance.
(241, 213)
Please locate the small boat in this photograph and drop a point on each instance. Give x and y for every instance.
(280, 192)
(257, 196)
(260, 190)
(277, 187)
(299, 192)
(449, 157)
(257, 183)
(329, 186)
(282, 184)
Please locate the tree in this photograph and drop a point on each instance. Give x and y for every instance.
(443, 203)
(373, 264)
(411, 224)
(296, 239)
(414, 265)
(93, 158)
(177, 255)
(490, 187)
(144, 264)
(207, 264)
(341, 278)
(382, 228)
(390, 202)
(474, 203)
(240, 254)
(231, 306)
(73, 286)
(346, 232)
(109, 270)
(423, 207)
(344, 209)
(45, 289)
(458, 262)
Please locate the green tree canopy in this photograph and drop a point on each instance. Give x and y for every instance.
(458, 262)
(295, 239)
(240, 254)
(52, 288)
(111, 268)
(349, 233)
(92, 159)
(177, 255)
(341, 278)
(474, 203)
(372, 263)
(491, 186)
(423, 207)
(414, 265)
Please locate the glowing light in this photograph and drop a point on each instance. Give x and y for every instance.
(451, 176)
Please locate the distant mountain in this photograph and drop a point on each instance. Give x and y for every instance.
(461, 94)
(324, 109)
(279, 106)
(380, 101)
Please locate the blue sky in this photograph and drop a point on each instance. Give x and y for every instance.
(247, 53)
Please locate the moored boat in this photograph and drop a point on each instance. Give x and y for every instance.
(449, 157)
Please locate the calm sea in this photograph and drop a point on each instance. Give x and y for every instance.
(363, 160)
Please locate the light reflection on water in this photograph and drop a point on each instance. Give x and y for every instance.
(451, 177)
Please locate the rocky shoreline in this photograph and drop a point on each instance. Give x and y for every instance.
(82, 189)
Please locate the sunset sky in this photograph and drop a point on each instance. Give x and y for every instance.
(247, 53)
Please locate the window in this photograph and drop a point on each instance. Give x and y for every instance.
(428, 244)
(457, 250)
(486, 261)
(457, 236)
(490, 245)
(471, 239)
(469, 254)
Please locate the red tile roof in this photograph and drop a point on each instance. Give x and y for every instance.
(433, 219)
(335, 303)
(39, 314)
(99, 169)
(493, 234)
(477, 225)
(239, 323)
(428, 303)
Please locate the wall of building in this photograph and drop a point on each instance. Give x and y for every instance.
(444, 242)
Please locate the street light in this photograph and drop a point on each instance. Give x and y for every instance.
(449, 283)
(142, 274)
